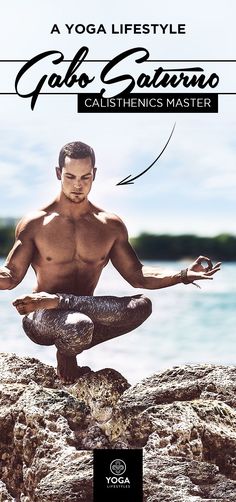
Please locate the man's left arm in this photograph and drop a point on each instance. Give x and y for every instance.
(129, 266)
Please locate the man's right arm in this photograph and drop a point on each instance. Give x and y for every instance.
(20, 256)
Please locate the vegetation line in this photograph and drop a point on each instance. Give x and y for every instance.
(155, 247)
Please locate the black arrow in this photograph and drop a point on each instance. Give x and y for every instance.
(127, 181)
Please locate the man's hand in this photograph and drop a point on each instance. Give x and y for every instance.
(29, 303)
(197, 270)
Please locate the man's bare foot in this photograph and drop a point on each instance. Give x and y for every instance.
(68, 370)
(35, 301)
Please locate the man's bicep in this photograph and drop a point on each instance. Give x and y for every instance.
(20, 256)
(125, 260)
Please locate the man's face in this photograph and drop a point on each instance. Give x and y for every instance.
(76, 178)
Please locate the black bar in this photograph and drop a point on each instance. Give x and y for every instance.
(118, 475)
(149, 103)
(148, 61)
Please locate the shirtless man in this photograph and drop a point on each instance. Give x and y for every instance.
(68, 243)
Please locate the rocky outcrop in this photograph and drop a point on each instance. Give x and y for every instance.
(184, 419)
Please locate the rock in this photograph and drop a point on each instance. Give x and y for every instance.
(4, 494)
(184, 419)
(47, 429)
(23, 370)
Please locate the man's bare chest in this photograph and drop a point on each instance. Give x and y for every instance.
(65, 241)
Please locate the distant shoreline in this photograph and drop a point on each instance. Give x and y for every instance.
(176, 247)
(154, 246)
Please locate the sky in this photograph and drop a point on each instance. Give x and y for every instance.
(192, 187)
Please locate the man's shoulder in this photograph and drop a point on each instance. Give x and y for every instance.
(107, 216)
(30, 221)
(113, 221)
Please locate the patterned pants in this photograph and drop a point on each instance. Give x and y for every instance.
(80, 322)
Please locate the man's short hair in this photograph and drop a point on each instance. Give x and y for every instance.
(76, 150)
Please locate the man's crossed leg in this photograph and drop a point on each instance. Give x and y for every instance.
(80, 322)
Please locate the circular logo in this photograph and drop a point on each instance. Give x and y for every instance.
(117, 467)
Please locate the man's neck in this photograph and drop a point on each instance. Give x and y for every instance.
(75, 210)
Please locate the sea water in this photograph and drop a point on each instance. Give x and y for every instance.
(187, 325)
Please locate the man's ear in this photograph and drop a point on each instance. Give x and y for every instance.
(94, 173)
(58, 173)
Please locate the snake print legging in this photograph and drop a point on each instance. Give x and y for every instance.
(80, 322)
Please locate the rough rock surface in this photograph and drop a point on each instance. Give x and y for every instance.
(184, 418)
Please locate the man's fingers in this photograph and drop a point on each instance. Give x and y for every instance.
(204, 258)
(207, 275)
(217, 266)
(204, 276)
(213, 271)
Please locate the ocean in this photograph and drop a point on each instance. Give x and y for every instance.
(188, 325)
